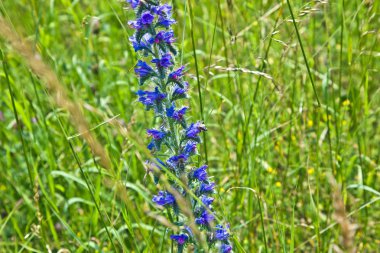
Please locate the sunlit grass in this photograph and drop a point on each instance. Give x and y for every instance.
(274, 150)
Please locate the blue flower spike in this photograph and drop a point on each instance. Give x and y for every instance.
(174, 137)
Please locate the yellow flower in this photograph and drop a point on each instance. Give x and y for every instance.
(310, 123)
(278, 184)
(346, 102)
(270, 170)
(3, 188)
(310, 171)
(326, 117)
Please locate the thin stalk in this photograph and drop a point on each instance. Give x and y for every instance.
(86, 181)
(91, 193)
(262, 69)
(198, 80)
(18, 122)
(262, 223)
(303, 53)
(183, 30)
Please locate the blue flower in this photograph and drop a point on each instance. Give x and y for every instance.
(206, 187)
(205, 218)
(190, 148)
(134, 3)
(163, 36)
(163, 198)
(176, 115)
(163, 10)
(165, 61)
(180, 239)
(157, 138)
(180, 92)
(165, 22)
(176, 75)
(151, 98)
(144, 43)
(135, 24)
(194, 129)
(176, 160)
(207, 201)
(151, 145)
(201, 173)
(146, 18)
(156, 134)
(164, 15)
(225, 248)
(143, 69)
(221, 234)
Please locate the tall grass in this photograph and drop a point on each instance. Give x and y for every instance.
(273, 147)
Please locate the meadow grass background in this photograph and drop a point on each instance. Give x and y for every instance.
(297, 170)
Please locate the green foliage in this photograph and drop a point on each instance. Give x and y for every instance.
(271, 147)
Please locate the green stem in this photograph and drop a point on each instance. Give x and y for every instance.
(18, 122)
(303, 54)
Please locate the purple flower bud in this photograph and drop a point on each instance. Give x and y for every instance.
(225, 248)
(155, 134)
(143, 69)
(165, 61)
(134, 3)
(176, 160)
(207, 201)
(164, 36)
(180, 239)
(177, 115)
(194, 129)
(177, 74)
(142, 45)
(201, 173)
(205, 218)
(180, 92)
(206, 187)
(162, 10)
(165, 22)
(190, 148)
(136, 46)
(151, 145)
(146, 18)
(150, 98)
(221, 234)
(135, 24)
(163, 198)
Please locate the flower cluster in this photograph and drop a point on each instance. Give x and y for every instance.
(174, 138)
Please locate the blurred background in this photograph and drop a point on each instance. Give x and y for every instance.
(297, 168)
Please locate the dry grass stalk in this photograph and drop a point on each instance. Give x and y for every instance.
(49, 78)
(340, 216)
